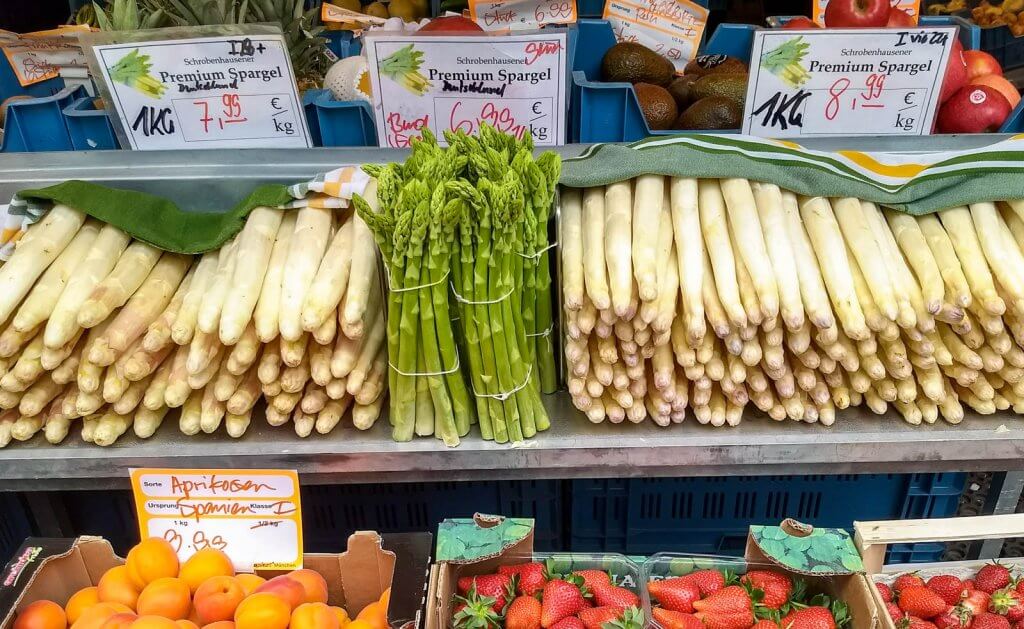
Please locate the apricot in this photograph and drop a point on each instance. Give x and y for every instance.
(221, 624)
(289, 590)
(153, 622)
(151, 559)
(263, 610)
(375, 614)
(168, 597)
(342, 616)
(79, 601)
(249, 582)
(359, 624)
(116, 586)
(314, 616)
(206, 563)
(123, 620)
(93, 617)
(187, 624)
(217, 598)
(42, 615)
(311, 581)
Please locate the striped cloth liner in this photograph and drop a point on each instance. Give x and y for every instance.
(331, 190)
(915, 183)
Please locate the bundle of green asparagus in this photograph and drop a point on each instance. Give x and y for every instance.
(467, 223)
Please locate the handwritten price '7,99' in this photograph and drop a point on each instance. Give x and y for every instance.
(501, 119)
(199, 540)
(553, 11)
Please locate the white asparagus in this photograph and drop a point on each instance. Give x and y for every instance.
(362, 272)
(648, 197)
(745, 226)
(184, 326)
(267, 313)
(132, 268)
(719, 249)
(960, 229)
(331, 280)
(312, 228)
(255, 245)
(571, 244)
(618, 246)
(211, 305)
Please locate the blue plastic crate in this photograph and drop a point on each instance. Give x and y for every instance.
(89, 128)
(14, 525)
(343, 43)
(339, 123)
(712, 515)
(610, 112)
(38, 124)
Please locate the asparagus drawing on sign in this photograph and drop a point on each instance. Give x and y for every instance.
(133, 70)
(784, 61)
(403, 67)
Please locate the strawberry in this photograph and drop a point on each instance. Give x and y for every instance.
(1007, 602)
(950, 588)
(894, 611)
(1018, 625)
(475, 612)
(955, 617)
(969, 584)
(976, 602)
(765, 623)
(885, 591)
(532, 577)
(777, 587)
(913, 622)
(560, 599)
(593, 577)
(905, 580)
(499, 587)
(992, 577)
(919, 601)
(524, 613)
(569, 622)
(1020, 586)
(728, 608)
(810, 618)
(595, 617)
(670, 619)
(675, 594)
(608, 595)
(709, 581)
(986, 620)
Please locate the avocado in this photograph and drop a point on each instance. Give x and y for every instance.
(711, 113)
(681, 89)
(715, 64)
(629, 62)
(657, 104)
(731, 86)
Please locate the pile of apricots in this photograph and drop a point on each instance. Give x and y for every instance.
(153, 591)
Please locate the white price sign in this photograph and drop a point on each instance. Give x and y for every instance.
(254, 516)
(846, 81)
(210, 92)
(671, 28)
(515, 83)
(521, 15)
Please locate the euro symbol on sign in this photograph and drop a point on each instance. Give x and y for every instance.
(535, 106)
(273, 103)
(909, 98)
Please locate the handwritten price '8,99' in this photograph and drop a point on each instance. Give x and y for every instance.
(199, 540)
(553, 11)
(873, 87)
(501, 118)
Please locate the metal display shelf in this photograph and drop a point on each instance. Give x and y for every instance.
(859, 442)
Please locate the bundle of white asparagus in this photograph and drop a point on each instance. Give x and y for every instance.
(709, 294)
(114, 332)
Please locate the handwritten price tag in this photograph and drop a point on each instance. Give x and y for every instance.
(253, 516)
(912, 7)
(846, 81)
(672, 28)
(513, 15)
(212, 92)
(516, 83)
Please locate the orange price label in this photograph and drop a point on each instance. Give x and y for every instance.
(912, 7)
(672, 28)
(513, 15)
(252, 515)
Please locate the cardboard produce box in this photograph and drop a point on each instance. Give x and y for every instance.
(471, 547)
(825, 559)
(54, 569)
(872, 539)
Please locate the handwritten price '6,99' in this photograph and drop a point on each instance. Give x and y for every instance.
(553, 11)
(199, 540)
(501, 118)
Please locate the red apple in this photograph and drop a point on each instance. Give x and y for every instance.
(973, 109)
(956, 72)
(901, 19)
(980, 63)
(801, 22)
(1001, 85)
(857, 13)
(450, 24)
